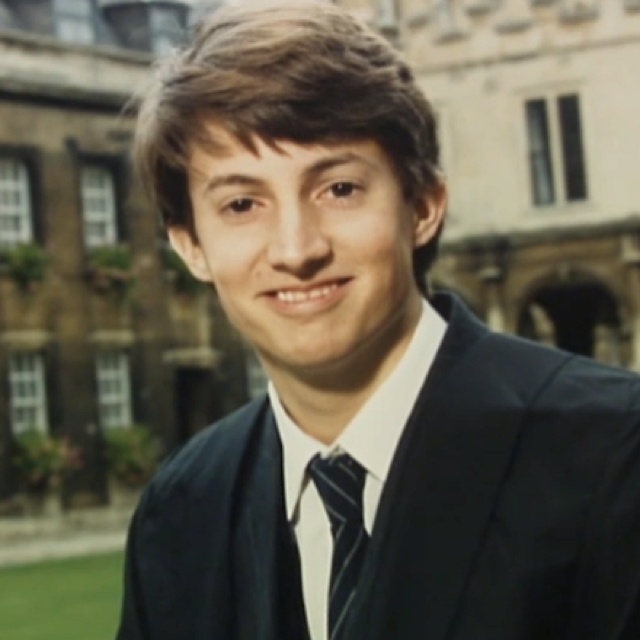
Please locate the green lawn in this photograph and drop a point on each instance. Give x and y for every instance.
(77, 599)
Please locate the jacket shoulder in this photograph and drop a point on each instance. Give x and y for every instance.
(213, 455)
(573, 384)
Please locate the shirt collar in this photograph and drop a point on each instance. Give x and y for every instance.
(373, 434)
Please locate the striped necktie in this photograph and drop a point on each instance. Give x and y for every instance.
(340, 483)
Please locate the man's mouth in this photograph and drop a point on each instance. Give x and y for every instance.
(297, 295)
(310, 294)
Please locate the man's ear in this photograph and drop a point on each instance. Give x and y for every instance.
(187, 247)
(429, 215)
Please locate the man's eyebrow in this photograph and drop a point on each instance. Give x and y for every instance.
(232, 179)
(324, 164)
(310, 172)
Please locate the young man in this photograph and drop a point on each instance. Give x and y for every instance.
(410, 475)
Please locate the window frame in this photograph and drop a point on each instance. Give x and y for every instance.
(115, 234)
(25, 217)
(557, 152)
(163, 38)
(31, 158)
(37, 401)
(64, 17)
(121, 399)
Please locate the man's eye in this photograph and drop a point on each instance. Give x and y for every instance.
(241, 205)
(343, 189)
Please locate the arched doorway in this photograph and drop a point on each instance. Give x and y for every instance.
(578, 316)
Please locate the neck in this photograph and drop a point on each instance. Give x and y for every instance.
(324, 400)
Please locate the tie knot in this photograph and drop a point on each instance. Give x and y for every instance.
(340, 483)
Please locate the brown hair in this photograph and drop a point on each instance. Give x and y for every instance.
(303, 72)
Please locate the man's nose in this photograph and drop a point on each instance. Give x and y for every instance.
(298, 243)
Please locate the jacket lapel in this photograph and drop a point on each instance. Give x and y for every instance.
(442, 486)
(260, 519)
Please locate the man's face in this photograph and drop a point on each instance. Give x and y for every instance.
(309, 248)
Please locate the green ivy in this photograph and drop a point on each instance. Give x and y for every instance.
(133, 454)
(25, 263)
(43, 460)
(110, 270)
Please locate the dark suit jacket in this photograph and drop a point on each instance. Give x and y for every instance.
(511, 512)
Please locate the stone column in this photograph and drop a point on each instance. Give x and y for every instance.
(606, 344)
(631, 258)
(544, 329)
(491, 276)
(634, 286)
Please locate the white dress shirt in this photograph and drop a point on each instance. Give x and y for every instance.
(371, 438)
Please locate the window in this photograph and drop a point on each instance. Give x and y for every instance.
(27, 392)
(74, 20)
(572, 149)
(446, 19)
(15, 203)
(578, 8)
(256, 377)
(98, 206)
(387, 14)
(164, 30)
(556, 150)
(114, 389)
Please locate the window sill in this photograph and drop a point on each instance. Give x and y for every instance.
(515, 25)
(418, 19)
(561, 210)
(452, 35)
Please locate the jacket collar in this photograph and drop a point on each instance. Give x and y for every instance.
(443, 484)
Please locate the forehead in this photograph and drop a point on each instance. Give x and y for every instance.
(220, 150)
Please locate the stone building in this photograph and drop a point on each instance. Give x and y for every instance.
(537, 103)
(98, 326)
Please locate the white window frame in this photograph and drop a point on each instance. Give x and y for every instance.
(551, 100)
(114, 389)
(16, 226)
(99, 211)
(74, 21)
(27, 392)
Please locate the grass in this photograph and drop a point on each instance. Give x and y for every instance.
(77, 599)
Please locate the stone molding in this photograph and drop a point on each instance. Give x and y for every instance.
(199, 357)
(26, 339)
(110, 339)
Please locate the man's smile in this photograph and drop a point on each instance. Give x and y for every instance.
(308, 292)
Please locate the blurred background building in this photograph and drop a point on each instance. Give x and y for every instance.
(537, 101)
(100, 327)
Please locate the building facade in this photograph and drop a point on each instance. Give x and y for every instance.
(537, 103)
(99, 327)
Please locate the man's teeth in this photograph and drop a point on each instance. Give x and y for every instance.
(302, 296)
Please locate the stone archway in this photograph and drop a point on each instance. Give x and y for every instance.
(581, 316)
